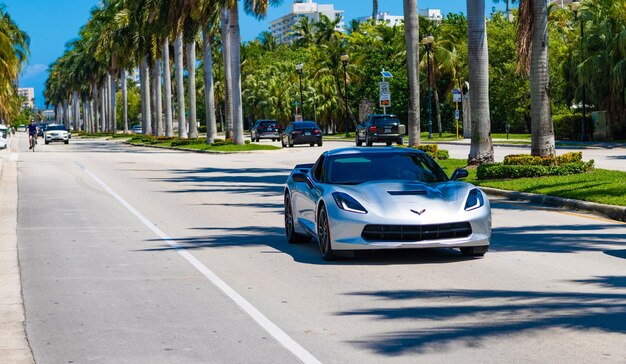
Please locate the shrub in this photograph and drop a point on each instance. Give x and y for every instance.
(529, 160)
(502, 171)
(568, 126)
(202, 129)
(442, 154)
(429, 148)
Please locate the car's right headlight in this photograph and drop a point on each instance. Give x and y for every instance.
(347, 203)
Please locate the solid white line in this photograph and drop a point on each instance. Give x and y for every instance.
(278, 334)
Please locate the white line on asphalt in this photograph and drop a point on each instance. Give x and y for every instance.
(278, 334)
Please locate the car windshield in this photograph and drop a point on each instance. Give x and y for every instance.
(367, 167)
(305, 125)
(55, 127)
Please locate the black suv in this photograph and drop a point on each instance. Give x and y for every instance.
(380, 129)
(265, 129)
(301, 132)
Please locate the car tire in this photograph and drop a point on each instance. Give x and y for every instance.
(320, 144)
(290, 231)
(357, 140)
(46, 143)
(67, 142)
(389, 144)
(290, 143)
(368, 142)
(474, 251)
(323, 235)
(400, 141)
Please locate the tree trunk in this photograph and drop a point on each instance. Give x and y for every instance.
(96, 115)
(228, 84)
(103, 98)
(123, 76)
(66, 115)
(481, 150)
(375, 11)
(180, 87)
(145, 96)
(153, 100)
(158, 97)
(437, 110)
(542, 129)
(167, 85)
(113, 102)
(209, 87)
(76, 105)
(411, 35)
(191, 78)
(235, 41)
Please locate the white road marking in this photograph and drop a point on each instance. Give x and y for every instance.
(278, 334)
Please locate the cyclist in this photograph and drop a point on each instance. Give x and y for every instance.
(32, 134)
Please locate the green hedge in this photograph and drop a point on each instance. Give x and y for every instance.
(529, 160)
(569, 126)
(502, 171)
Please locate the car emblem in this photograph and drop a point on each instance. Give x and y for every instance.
(419, 212)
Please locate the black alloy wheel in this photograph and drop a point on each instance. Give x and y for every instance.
(323, 235)
(290, 231)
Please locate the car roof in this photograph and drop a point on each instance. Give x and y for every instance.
(387, 150)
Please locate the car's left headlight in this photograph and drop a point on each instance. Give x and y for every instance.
(347, 203)
(475, 200)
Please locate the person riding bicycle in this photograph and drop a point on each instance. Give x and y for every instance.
(32, 134)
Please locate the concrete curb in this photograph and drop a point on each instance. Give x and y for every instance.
(613, 212)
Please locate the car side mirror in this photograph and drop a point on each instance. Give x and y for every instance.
(301, 177)
(459, 173)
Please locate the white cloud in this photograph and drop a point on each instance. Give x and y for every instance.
(33, 70)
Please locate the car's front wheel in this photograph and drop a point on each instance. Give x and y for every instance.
(357, 140)
(323, 235)
(290, 231)
(474, 251)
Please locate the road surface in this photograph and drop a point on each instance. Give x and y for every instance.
(131, 254)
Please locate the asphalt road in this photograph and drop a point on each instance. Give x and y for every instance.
(134, 255)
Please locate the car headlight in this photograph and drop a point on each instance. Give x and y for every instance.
(475, 200)
(347, 203)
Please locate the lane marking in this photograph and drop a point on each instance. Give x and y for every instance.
(285, 340)
(555, 209)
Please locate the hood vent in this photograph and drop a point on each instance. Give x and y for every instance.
(408, 193)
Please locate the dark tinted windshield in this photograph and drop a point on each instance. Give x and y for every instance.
(265, 123)
(55, 127)
(385, 120)
(367, 167)
(305, 125)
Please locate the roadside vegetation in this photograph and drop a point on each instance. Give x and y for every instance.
(218, 145)
(14, 53)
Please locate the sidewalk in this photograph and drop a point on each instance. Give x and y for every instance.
(14, 346)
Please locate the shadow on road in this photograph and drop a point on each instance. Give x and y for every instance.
(485, 314)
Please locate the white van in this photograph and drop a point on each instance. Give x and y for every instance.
(3, 136)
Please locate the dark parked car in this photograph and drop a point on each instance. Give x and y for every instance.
(265, 129)
(41, 129)
(380, 129)
(301, 132)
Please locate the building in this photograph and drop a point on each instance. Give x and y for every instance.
(29, 94)
(282, 27)
(388, 19)
(433, 15)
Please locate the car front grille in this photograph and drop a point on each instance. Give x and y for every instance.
(416, 232)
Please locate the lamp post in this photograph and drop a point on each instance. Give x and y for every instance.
(344, 59)
(299, 68)
(575, 8)
(428, 43)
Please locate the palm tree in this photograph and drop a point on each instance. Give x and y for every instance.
(14, 51)
(304, 32)
(533, 57)
(508, 5)
(411, 34)
(375, 11)
(481, 150)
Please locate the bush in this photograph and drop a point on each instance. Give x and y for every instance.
(202, 129)
(442, 154)
(502, 171)
(568, 126)
(429, 148)
(529, 160)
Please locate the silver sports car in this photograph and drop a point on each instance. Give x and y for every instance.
(385, 198)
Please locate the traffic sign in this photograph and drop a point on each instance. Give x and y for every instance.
(457, 114)
(385, 94)
(456, 95)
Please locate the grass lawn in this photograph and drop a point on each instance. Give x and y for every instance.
(216, 148)
(601, 185)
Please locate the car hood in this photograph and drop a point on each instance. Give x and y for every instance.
(398, 198)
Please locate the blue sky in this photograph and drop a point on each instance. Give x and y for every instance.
(51, 23)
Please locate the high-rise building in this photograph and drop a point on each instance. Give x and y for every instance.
(433, 15)
(29, 94)
(388, 19)
(282, 27)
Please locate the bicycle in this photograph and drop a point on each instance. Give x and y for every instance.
(32, 141)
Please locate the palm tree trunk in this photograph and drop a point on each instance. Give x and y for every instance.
(66, 115)
(158, 100)
(209, 87)
(145, 96)
(153, 100)
(107, 121)
(167, 85)
(180, 87)
(235, 59)
(123, 76)
(113, 102)
(191, 78)
(411, 36)
(96, 115)
(481, 150)
(76, 105)
(228, 84)
(103, 98)
(375, 11)
(437, 110)
(542, 128)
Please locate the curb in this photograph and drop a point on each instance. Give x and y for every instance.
(613, 212)
(197, 150)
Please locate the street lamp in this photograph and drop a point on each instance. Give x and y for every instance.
(344, 59)
(575, 8)
(299, 68)
(428, 43)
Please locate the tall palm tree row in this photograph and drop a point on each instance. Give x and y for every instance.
(14, 52)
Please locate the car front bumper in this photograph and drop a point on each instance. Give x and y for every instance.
(57, 138)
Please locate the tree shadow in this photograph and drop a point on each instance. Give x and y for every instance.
(606, 281)
(485, 314)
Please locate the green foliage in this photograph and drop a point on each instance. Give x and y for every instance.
(501, 171)
(568, 127)
(529, 160)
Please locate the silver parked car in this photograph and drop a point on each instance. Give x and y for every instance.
(56, 133)
(384, 198)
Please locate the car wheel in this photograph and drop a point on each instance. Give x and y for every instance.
(323, 235)
(290, 231)
(290, 143)
(282, 142)
(368, 142)
(474, 251)
(320, 144)
(46, 143)
(311, 144)
(389, 144)
(357, 140)
(400, 141)
(67, 142)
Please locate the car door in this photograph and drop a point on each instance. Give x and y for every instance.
(306, 201)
